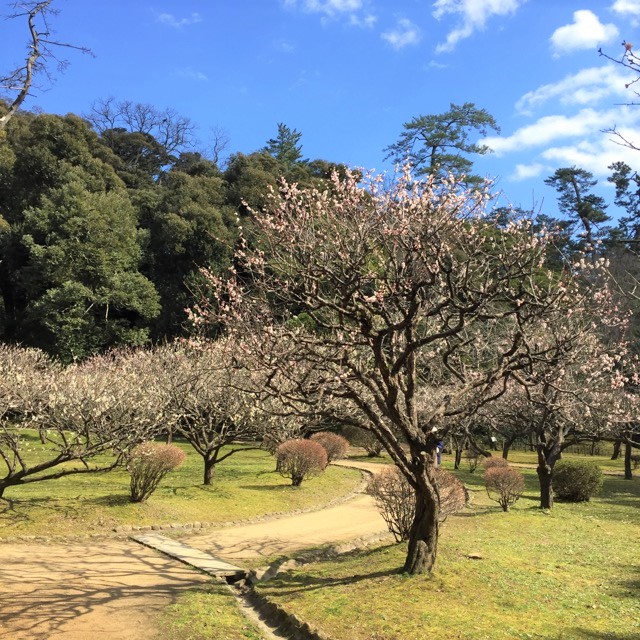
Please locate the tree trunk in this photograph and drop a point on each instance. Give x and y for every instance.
(617, 445)
(423, 537)
(458, 459)
(209, 469)
(545, 472)
(506, 445)
(628, 474)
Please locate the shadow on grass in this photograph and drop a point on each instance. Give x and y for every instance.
(631, 588)
(299, 582)
(114, 500)
(587, 634)
(289, 585)
(269, 487)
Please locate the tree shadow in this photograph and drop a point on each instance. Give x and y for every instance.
(578, 633)
(59, 589)
(630, 588)
(114, 500)
(269, 487)
(295, 583)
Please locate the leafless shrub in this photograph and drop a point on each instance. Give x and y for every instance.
(504, 485)
(148, 463)
(395, 498)
(493, 462)
(473, 458)
(336, 446)
(300, 459)
(453, 496)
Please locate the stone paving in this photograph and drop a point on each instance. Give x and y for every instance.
(194, 557)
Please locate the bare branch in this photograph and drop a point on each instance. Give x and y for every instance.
(40, 49)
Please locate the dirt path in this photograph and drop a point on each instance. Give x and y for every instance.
(115, 589)
(355, 518)
(112, 589)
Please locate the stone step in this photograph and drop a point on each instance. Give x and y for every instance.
(194, 557)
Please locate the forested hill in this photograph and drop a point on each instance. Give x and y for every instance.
(106, 219)
(103, 228)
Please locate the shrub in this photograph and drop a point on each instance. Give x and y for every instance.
(493, 462)
(504, 485)
(636, 461)
(336, 446)
(576, 480)
(453, 495)
(365, 439)
(300, 459)
(395, 498)
(148, 463)
(472, 459)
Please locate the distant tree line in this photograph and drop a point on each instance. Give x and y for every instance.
(105, 221)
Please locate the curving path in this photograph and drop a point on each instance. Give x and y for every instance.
(113, 589)
(355, 518)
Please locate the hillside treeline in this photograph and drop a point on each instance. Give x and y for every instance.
(105, 221)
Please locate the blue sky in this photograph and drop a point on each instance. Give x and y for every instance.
(349, 73)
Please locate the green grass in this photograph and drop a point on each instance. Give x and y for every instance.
(210, 613)
(245, 486)
(573, 574)
(603, 461)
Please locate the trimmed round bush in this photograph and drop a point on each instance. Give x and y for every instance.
(148, 463)
(363, 438)
(395, 498)
(576, 480)
(492, 462)
(336, 446)
(504, 485)
(300, 459)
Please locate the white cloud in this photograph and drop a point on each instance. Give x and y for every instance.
(326, 7)
(192, 74)
(581, 140)
(283, 46)
(629, 9)
(170, 20)
(526, 171)
(366, 21)
(586, 32)
(351, 10)
(474, 15)
(626, 7)
(588, 86)
(593, 155)
(550, 128)
(405, 33)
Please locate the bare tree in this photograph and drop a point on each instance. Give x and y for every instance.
(40, 49)
(218, 145)
(171, 130)
(85, 411)
(400, 310)
(209, 399)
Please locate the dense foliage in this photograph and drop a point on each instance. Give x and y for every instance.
(103, 228)
(576, 480)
